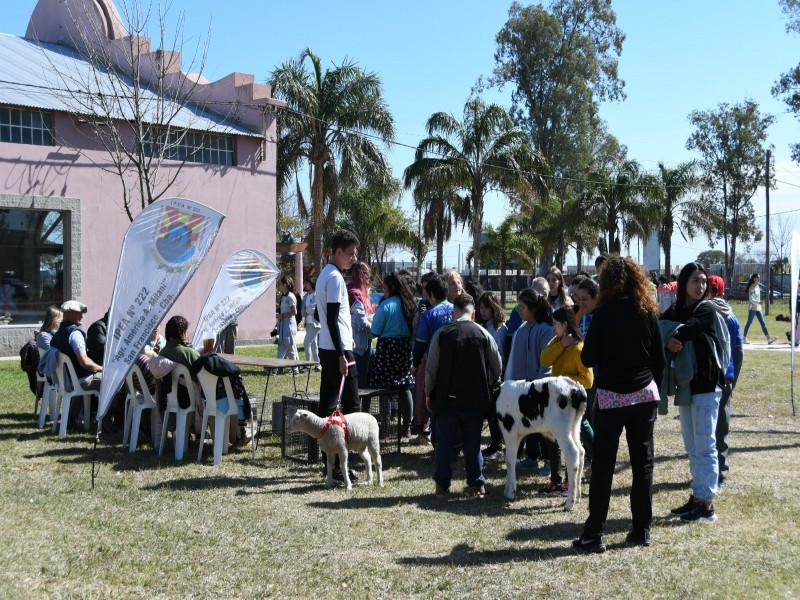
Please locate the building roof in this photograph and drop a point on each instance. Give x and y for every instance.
(57, 78)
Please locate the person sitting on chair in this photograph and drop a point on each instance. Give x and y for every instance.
(70, 340)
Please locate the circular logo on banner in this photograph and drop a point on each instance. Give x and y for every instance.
(177, 237)
(254, 273)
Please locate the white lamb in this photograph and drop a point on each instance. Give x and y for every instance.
(552, 406)
(362, 437)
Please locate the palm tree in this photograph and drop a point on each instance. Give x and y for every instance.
(675, 204)
(329, 124)
(614, 198)
(442, 211)
(507, 243)
(376, 217)
(482, 152)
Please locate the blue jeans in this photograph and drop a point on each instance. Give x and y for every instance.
(362, 366)
(751, 314)
(452, 426)
(698, 428)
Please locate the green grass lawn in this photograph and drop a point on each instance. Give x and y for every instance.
(266, 528)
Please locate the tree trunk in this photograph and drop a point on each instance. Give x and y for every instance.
(667, 258)
(503, 286)
(477, 228)
(317, 213)
(477, 224)
(439, 247)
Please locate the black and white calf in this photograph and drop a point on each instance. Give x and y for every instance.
(552, 406)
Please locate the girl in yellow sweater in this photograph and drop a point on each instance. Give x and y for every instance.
(563, 354)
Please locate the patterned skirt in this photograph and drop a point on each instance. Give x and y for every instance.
(391, 363)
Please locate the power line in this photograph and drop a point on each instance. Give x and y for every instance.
(366, 135)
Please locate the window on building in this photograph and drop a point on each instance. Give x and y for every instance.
(20, 126)
(31, 264)
(196, 147)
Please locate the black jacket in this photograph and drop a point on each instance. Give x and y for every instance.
(96, 339)
(624, 346)
(222, 367)
(698, 327)
(466, 364)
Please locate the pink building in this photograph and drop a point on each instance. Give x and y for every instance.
(61, 212)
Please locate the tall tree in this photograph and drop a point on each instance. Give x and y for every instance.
(615, 198)
(133, 101)
(788, 86)
(331, 121)
(781, 240)
(442, 211)
(374, 214)
(562, 62)
(673, 196)
(731, 141)
(482, 152)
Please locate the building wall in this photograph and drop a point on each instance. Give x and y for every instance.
(59, 177)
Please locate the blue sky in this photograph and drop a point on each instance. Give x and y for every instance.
(678, 56)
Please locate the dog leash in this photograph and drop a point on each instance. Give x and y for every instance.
(341, 385)
(337, 418)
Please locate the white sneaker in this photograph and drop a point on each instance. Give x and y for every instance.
(771, 339)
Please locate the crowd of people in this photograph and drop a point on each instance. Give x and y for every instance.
(445, 346)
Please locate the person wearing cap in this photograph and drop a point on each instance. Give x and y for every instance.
(716, 291)
(70, 339)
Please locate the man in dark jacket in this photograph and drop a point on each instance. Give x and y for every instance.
(71, 341)
(463, 363)
(96, 339)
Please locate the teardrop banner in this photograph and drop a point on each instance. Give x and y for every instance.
(161, 251)
(242, 279)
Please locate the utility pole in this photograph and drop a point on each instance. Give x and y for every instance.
(769, 271)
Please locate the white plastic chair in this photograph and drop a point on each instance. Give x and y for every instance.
(48, 396)
(208, 382)
(136, 402)
(63, 362)
(181, 437)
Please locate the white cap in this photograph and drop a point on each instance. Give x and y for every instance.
(74, 306)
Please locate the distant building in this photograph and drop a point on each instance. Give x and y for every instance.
(61, 214)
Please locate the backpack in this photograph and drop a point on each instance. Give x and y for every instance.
(29, 362)
(29, 357)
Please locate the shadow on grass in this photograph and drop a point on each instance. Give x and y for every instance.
(463, 555)
(495, 504)
(215, 482)
(20, 417)
(555, 539)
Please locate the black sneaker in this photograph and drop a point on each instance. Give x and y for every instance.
(638, 538)
(701, 514)
(493, 453)
(592, 543)
(686, 508)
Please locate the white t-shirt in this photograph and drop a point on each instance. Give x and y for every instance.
(331, 289)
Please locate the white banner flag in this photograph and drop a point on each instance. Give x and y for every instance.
(242, 279)
(794, 264)
(162, 249)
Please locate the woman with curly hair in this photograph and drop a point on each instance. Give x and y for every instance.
(558, 291)
(624, 344)
(392, 324)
